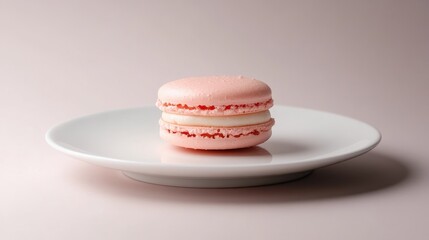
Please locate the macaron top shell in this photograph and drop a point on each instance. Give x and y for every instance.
(217, 95)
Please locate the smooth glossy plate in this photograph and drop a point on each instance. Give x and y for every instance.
(127, 140)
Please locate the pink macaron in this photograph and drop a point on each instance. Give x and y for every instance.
(215, 113)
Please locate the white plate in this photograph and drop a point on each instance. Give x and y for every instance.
(128, 140)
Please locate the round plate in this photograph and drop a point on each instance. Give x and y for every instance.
(128, 140)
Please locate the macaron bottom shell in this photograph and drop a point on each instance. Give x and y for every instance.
(215, 143)
(215, 137)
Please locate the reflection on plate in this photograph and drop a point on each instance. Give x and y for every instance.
(177, 155)
(128, 140)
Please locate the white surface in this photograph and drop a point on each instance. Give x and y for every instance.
(221, 121)
(128, 140)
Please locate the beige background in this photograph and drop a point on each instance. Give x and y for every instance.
(365, 59)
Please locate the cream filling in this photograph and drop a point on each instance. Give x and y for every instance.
(218, 121)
